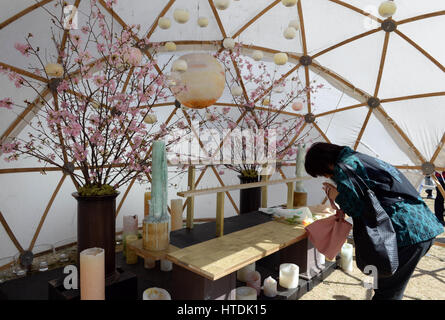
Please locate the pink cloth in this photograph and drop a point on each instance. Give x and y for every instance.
(328, 235)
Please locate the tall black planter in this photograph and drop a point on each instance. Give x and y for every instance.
(250, 199)
(96, 227)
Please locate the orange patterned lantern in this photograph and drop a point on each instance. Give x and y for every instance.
(202, 84)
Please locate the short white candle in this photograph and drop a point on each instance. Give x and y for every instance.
(149, 263)
(246, 293)
(92, 274)
(289, 275)
(156, 294)
(166, 265)
(253, 280)
(242, 273)
(321, 259)
(270, 287)
(346, 258)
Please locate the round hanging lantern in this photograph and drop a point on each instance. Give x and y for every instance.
(181, 15)
(170, 46)
(180, 65)
(150, 118)
(257, 55)
(203, 22)
(202, 83)
(237, 91)
(54, 70)
(297, 106)
(294, 24)
(280, 58)
(222, 4)
(132, 56)
(289, 3)
(387, 9)
(290, 33)
(164, 23)
(229, 43)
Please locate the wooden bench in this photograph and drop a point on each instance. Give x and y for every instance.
(208, 270)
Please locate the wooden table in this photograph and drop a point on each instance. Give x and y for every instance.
(208, 270)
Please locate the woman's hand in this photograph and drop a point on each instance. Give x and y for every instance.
(331, 191)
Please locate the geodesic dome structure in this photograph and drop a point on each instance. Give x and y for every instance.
(384, 95)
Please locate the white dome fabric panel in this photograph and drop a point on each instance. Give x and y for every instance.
(353, 58)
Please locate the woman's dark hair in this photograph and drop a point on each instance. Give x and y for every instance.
(320, 157)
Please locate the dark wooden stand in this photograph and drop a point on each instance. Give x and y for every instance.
(121, 287)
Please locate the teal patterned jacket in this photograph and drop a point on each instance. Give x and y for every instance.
(413, 221)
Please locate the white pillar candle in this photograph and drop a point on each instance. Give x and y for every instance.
(242, 273)
(346, 258)
(156, 294)
(92, 274)
(166, 265)
(270, 287)
(246, 293)
(253, 280)
(289, 275)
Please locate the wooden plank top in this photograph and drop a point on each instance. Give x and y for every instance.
(137, 247)
(200, 192)
(216, 258)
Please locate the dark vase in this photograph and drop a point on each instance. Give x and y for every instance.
(96, 227)
(250, 199)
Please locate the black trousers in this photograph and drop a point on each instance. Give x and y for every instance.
(392, 288)
(439, 206)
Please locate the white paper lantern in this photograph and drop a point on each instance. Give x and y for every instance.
(290, 33)
(294, 24)
(164, 23)
(229, 43)
(132, 56)
(280, 58)
(237, 91)
(222, 4)
(179, 65)
(387, 9)
(202, 84)
(297, 106)
(203, 22)
(181, 15)
(289, 3)
(257, 55)
(54, 70)
(170, 46)
(150, 118)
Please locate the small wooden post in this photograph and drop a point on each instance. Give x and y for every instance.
(290, 195)
(220, 214)
(191, 200)
(147, 197)
(264, 192)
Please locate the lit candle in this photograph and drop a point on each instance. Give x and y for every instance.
(156, 294)
(253, 280)
(149, 263)
(289, 274)
(92, 274)
(131, 256)
(166, 265)
(246, 293)
(242, 273)
(346, 258)
(270, 287)
(130, 226)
